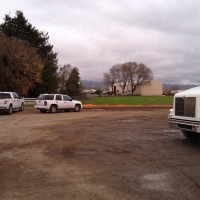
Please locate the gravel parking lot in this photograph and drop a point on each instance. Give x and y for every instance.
(96, 155)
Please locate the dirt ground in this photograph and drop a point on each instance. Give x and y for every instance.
(96, 155)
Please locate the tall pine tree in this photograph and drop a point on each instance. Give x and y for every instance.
(19, 27)
(73, 83)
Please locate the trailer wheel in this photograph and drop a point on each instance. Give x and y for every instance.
(191, 135)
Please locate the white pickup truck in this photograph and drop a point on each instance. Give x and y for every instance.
(10, 101)
(185, 114)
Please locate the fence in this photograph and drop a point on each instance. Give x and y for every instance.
(29, 101)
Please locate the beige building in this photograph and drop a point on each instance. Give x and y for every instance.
(154, 88)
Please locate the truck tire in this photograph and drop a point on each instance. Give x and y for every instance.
(22, 107)
(10, 110)
(53, 109)
(77, 108)
(191, 135)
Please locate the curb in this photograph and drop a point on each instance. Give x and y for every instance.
(92, 106)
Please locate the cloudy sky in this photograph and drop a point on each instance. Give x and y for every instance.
(94, 35)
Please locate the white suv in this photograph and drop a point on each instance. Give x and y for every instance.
(54, 102)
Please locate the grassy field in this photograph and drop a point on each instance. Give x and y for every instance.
(131, 100)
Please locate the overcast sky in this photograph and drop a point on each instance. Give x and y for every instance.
(94, 35)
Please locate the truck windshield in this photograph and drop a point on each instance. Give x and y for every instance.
(46, 97)
(5, 96)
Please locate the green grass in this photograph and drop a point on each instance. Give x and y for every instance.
(131, 100)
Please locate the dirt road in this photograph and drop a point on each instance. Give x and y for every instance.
(96, 155)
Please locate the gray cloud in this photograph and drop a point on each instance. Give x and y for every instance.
(96, 34)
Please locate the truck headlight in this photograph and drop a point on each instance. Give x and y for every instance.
(170, 113)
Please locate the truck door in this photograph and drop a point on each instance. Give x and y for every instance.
(68, 102)
(16, 100)
(59, 101)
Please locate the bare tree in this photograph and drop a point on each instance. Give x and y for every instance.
(108, 80)
(132, 69)
(63, 75)
(111, 77)
(128, 73)
(123, 75)
(141, 75)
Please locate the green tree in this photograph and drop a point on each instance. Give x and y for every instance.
(19, 27)
(73, 83)
(20, 66)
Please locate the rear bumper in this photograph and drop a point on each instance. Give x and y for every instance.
(3, 108)
(193, 126)
(41, 107)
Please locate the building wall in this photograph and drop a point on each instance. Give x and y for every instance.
(153, 88)
(127, 90)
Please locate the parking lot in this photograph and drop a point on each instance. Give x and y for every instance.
(96, 154)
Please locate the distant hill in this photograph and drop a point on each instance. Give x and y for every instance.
(93, 84)
(179, 86)
(100, 84)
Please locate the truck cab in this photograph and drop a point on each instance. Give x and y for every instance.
(185, 114)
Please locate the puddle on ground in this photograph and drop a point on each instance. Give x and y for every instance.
(155, 177)
(156, 182)
(128, 120)
(97, 109)
(169, 130)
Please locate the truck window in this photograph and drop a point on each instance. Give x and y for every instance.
(66, 98)
(46, 97)
(15, 95)
(5, 96)
(58, 98)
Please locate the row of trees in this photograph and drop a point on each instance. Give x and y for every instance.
(28, 64)
(128, 73)
(69, 80)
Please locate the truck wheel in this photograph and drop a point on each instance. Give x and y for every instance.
(191, 135)
(10, 110)
(22, 107)
(77, 108)
(53, 109)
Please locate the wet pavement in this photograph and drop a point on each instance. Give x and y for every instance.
(125, 153)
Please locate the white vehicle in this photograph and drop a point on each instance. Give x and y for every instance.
(10, 101)
(185, 114)
(54, 102)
